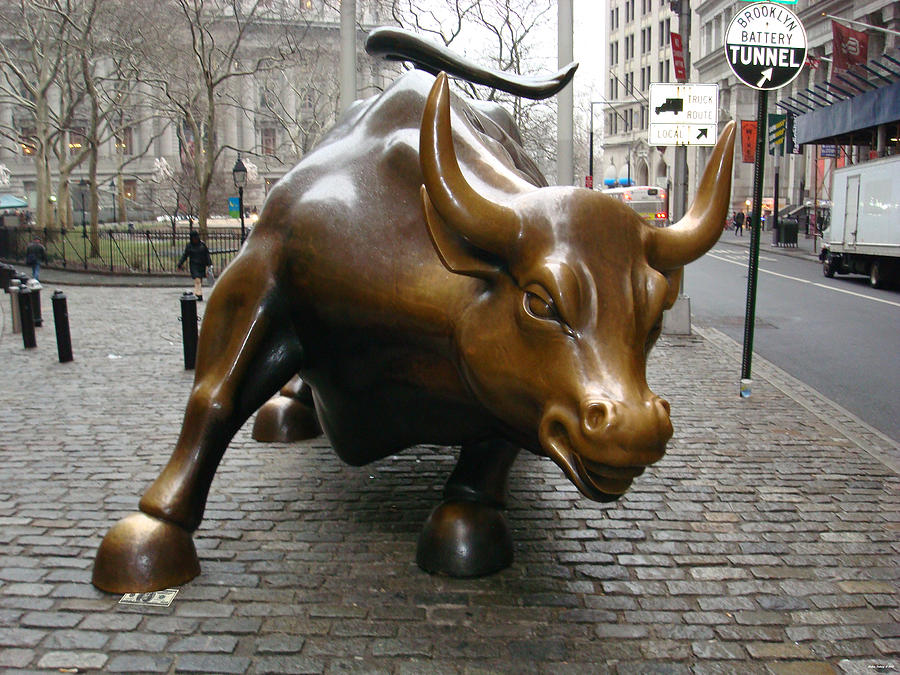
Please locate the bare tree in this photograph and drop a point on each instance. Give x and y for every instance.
(199, 58)
(33, 53)
(506, 35)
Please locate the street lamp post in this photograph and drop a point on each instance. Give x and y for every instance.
(591, 150)
(239, 174)
(112, 186)
(83, 184)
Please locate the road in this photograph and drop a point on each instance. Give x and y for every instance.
(838, 335)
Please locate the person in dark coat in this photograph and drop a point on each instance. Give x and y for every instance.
(35, 254)
(198, 259)
(739, 222)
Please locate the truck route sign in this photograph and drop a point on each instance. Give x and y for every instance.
(765, 45)
(683, 114)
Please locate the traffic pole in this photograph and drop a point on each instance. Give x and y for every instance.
(756, 218)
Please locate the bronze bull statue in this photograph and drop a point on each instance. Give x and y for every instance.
(428, 287)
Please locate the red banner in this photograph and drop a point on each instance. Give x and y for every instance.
(678, 57)
(851, 47)
(748, 141)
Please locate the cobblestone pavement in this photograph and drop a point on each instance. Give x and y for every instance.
(766, 541)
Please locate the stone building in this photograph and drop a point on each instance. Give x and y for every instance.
(640, 53)
(272, 119)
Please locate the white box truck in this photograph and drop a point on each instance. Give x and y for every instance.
(864, 236)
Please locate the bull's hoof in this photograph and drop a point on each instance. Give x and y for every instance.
(465, 539)
(141, 553)
(283, 419)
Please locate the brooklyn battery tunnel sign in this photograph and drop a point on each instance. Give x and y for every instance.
(765, 45)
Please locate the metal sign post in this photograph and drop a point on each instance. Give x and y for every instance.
(755, 230)
(765, 46)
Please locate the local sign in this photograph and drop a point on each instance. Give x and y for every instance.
(683, 114)
(765, 45)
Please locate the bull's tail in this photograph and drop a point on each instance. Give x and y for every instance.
(396, 44)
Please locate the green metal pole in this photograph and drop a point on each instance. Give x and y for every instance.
(750, 315)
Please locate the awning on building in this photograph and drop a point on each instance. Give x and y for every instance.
(11, 202)
(848, 109)
(853, 121)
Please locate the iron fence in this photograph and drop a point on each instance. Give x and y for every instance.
(121, 251)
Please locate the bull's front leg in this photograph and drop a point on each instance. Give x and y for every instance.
(248, 349)
(467, 534)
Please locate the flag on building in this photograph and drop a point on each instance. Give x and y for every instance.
(748, 141)
(678, 57)
(851, 47)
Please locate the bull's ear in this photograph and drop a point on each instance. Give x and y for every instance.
(457, 254)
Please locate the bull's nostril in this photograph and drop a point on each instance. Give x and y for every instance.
(664, 404)
(598, 415)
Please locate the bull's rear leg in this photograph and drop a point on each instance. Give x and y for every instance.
(288, 416)
(467, 534)
(247, 350)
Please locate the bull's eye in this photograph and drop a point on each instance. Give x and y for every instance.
(540, 308)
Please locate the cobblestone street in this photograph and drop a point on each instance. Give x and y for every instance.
(766, 541)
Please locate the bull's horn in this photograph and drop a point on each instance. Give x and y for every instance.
(490, 226)
(669, 248)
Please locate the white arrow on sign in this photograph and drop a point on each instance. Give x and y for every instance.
(766, 75)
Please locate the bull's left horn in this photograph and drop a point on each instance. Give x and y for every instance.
(489, 226)
(672, 247)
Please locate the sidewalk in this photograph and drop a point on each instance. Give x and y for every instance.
(766, 541)
(807, 247)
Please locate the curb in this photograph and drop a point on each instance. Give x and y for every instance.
(878, 445)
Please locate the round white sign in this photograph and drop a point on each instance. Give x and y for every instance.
(765, 45)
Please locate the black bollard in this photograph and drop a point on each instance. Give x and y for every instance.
(36, 287)
(61, 321)
(6, 272)
(26, 317)
(189, 329)
(14, 305)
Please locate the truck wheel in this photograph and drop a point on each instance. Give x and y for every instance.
(828, 267)
(876, 277)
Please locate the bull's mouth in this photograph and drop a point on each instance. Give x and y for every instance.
(595, 480)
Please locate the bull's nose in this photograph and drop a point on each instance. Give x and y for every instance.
(639, 429)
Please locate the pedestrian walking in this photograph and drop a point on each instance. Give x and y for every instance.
(197, 255)
(35, 254)
(739, 222)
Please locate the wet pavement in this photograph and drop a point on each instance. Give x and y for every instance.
(765, 541)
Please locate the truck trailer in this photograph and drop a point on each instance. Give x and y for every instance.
(864, 235)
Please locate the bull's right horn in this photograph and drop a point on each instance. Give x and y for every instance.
(490, 226)
(669, 248)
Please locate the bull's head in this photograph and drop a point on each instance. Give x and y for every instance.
(575, 287)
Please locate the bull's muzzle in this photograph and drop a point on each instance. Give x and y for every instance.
(603, 446)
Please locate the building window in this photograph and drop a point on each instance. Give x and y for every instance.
(130, 188)
(629, 46)
(643, 117)
(28, 141)
(125, 142)
(664, 29)
(629, 11)
(77, 139)
(646, 40)
(614, 53)
(645, 78)
(613, 88)
(267, 140)
(612, 123)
